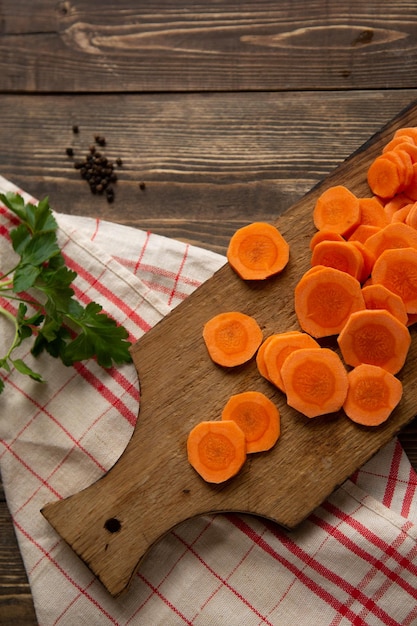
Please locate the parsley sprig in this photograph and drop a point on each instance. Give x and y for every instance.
(40, 284)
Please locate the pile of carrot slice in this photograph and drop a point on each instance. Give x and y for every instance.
(361, 288)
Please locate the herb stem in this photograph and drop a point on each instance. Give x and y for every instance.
(9, 316)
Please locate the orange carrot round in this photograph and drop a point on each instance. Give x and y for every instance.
(257, 416)
(396, 269)
(411, 218)
(324, 235)
(375, 337)
(342, 255)
(372, 395)
(315, 381)
(372, 212)
(363, 232)
(368, 260)
(377, 296)
(407, 131)
(216, 450)
(387, 177)
(277, 350)
(337, 209)
(395, 235)
(324, 299)
(232, 338)
(257, 251)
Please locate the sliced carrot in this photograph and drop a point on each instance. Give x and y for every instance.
(258, 251)
(363, 232)
(277, 350)
(257, 416)
(324, 299)
(411, 217)
(260, 355)
(372, 395)
(407, 146)
(386, 178)
(368, 260)
(397, 271)
(377, 296)
(412, 319)
(324, 235)
(315, 381)
(395, 235)
(397, 141)
(411, 189)
(372, 212)
(232, 338)
(216, 450)
(337, 210)
(407, 131)
(342, 255)
(260, 358)
(375, 337)
(395, 203)
(401, 215)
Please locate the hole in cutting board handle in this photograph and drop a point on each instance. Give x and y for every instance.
(112, 525)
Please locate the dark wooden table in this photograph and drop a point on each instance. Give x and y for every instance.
(221, 112)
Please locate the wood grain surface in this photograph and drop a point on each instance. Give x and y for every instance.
(199, 46)
(219, 132)
(311, 458)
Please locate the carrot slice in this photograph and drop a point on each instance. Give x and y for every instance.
(372, 395)
(324, 235)
(257, 251)
(258, 418)
(324, 299)
(363, 232)
(260, 355)
(368, 260)
(372, 212)
(395, 203)
(411, 217)
(397, 271)
(401, 215)
(375, 337)
(407, 131)
(407, 146)
(232, 338)
(377, 296)
(216, 450)
(385, 177)
(397, 141)
(277, 350)
(315, 381)
(342, 255)
(411, 189)
(260, 358)
(395, 235)
(337, 209)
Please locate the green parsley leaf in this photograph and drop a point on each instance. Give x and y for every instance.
(61, 326)
(99, 336)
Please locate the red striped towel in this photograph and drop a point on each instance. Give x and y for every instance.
(353, 561)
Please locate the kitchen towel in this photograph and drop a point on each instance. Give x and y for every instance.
(353, 561)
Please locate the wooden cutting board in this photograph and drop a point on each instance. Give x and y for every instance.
(151, 488)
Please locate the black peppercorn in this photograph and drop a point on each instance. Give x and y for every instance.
(70, 152)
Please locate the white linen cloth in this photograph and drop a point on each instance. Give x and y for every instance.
(353, 561)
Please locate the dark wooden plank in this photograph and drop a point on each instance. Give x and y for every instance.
(16, 605)
(189, 46)
(210, 162)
